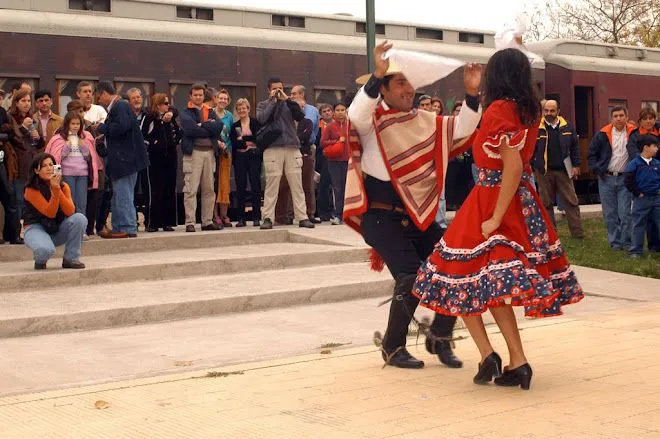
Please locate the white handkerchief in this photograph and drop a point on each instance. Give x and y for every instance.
(422, 68)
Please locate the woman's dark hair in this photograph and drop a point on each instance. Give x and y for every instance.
(64, 131)
(338, 104)
(33, 177)
(509, 76)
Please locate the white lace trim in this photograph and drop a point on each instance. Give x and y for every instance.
(562, 275)
(493, 155)
(442, 246)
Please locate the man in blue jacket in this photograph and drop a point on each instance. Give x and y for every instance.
(127, 155)
(200, 145)
(642, 178)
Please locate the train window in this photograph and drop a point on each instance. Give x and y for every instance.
(469, 37)
(428, 34)
(90, 5)
(295, 21)
(237, 91)
(180, 94)
(6, 82)
(361, 28)
(328, 95)
(616, 103)
(278, 20)
(147, 89)
(66, 92)
(204, 14)
(184, 12)
(651, 104)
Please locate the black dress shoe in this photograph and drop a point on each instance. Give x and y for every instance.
(520, 376)
(402, 358)
(168, 229)
(490, 368)
(314, 220)
(442, 348)
(76, 265)
(39, 265)
(267, 224)
(240, 223)
(256, 223)
(307, 224)
(151, 229)
(18, 241)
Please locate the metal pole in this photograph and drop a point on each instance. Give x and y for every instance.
(371, 33)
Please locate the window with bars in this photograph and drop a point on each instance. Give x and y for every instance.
(67, 92)
(328, 96)
(191, 13)
(428, 34)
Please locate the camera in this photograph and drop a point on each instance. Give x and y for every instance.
(57, 169)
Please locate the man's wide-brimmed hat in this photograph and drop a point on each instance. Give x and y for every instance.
(393, 69)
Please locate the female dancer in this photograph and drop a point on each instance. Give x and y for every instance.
(501, 250)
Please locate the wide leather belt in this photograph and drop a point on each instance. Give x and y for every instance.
(385, 206)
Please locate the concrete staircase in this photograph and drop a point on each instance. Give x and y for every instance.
(175, 276)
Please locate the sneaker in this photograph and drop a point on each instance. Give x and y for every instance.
(190, 228)
(267, 224)
(86, 237)
(335, 221)
(307, 224)
(212, 226)
(315, 220)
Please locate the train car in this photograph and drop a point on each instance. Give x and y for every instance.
(166, 45)
(588, 79)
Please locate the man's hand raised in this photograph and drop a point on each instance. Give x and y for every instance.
(381, 65)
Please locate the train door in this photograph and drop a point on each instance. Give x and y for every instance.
(586, 187)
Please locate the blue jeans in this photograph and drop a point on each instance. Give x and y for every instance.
(616, 203)
(70, 233)
(646, 211)
(441, 215)
(124, 218)
(78, 187)
(19, 193)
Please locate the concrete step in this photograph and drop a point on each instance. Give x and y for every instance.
(89, 307)
(160, 241)
(171, 264)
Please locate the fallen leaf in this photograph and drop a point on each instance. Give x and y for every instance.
(183, 363)
(101, 405)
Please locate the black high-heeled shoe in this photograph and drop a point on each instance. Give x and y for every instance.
(520, 376)
(490, 368)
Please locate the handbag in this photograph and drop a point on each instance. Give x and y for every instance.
(334, 151)
(266, 136)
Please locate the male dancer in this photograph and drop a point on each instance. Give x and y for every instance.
(395, 176)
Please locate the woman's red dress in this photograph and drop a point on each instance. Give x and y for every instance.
(522, 262)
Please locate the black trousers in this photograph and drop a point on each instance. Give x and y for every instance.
(105, 201)
(162, 210)
(325, 206)
(403, 247)
(8, 201)
(142, 195)
(247, 167)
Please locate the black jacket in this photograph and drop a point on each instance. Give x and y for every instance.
(159, 136)
(568, 142)
(240, 144)
(600, 149)
(211, 129)
(127, 153)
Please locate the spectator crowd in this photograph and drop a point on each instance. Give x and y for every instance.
(110, 156)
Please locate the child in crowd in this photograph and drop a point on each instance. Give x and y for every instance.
(72, 148)
(642, 178)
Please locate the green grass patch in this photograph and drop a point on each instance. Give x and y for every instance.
(595, 252)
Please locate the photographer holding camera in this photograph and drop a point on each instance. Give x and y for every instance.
(50, 215)
(279, 138)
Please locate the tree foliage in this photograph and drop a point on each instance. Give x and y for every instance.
(634, 22)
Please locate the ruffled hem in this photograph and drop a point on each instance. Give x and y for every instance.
(499, 283)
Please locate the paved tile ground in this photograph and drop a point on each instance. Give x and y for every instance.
(595, 377)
